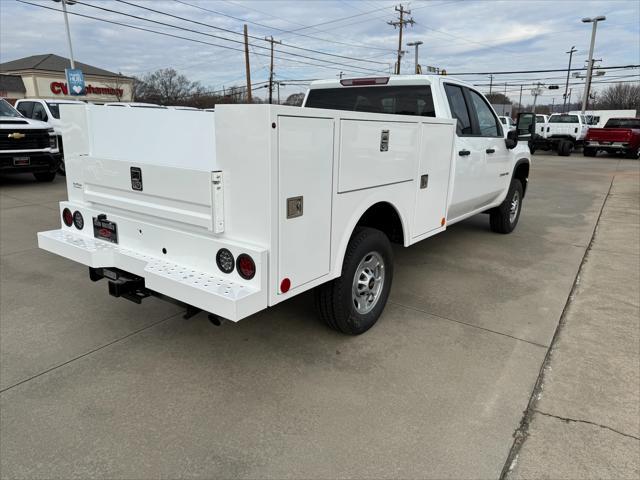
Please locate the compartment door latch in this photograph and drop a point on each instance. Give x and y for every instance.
(217, 202)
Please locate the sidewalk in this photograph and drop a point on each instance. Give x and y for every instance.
(583, 420)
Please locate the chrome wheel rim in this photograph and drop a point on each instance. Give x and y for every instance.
(515, 205)
(368, 282)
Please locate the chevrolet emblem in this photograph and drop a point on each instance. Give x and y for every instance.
(16, 135)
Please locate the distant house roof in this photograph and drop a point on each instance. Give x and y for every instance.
(11, 83)
(51, 62)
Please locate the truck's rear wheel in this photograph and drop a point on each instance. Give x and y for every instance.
(564, 148)
(353, 302)
(504, 218)
(632, 153)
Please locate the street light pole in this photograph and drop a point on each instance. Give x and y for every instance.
(66, 23)
(587, 86)
(566, 87)
(415, 44)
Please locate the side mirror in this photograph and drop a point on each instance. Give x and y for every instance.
(512, 139)
(526, 126)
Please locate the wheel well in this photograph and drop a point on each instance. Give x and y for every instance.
(522, 174)
(384, 217)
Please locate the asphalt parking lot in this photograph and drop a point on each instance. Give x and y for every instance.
(94, 386)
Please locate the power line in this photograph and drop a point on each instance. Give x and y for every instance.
(538, 71)
(362, 69)
(242, 34)
(336, 42)
(184, 38)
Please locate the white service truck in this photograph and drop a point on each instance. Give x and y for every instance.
(233, 212)
(563, 133)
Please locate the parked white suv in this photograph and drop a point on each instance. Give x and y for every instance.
(47, 111)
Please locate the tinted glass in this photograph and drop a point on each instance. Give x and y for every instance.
(623, 123)
(564, 119)
(25, 108)
(459, 109)
(503, 120)
(539, 118)
(486, 119)
(409, 100)
(39, 113)
(55, 109)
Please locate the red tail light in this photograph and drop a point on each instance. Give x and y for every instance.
(355, 82)
(67, 217)
(246, 266)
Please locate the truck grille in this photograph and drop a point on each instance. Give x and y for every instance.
(32, 139)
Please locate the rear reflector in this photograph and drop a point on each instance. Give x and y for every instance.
(355, 82)
(246, 266)
(67, 217)
(78, 221)
(285, 285)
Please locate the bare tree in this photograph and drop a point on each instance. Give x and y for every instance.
(496, 98)
(621, 96)
(165, 87)
(295, 99)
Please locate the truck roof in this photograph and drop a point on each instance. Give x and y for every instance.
(380, 81)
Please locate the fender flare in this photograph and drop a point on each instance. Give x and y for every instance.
(353, 222)
(522, 161)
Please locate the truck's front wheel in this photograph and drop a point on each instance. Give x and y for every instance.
(504, 218)
(353, 302)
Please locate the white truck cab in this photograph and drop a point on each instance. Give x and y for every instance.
(507, 123)
(241, 209)
(47, 111)
(563, 132)
(541, 124)
(27, 145)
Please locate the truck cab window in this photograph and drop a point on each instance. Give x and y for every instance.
(402, 100)
(39, 113)
(54, 108)
(459, 109)
(25, 108)
(487, 121)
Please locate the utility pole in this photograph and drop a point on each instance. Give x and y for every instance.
(536, 92)
(246, 63)
(66, 23)
(341, 74)
(278, 87)
(400, 23)
(416, 44)
(566, 87)
(271, 41)
(520, 100)
(587, 86)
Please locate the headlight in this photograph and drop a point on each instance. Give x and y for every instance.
(53, 142)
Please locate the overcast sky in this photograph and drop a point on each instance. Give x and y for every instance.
(459, 35)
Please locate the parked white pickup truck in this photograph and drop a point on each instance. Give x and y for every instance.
(563, 133)
(236, 211)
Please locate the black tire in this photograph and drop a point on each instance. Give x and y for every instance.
(633, 154)
(500, 217)
(564, 148)
(335, 302)
(589, 152)
(45, 176)
(61, 169)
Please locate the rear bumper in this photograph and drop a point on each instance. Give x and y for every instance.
(212, 293)
(38, 162)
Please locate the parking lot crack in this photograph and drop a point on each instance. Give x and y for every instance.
(521, 432)
(576, 420)
(90, 352)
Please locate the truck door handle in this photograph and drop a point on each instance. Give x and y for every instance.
(464, 153)
(490, 150)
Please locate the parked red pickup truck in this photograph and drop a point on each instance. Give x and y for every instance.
(619, 135)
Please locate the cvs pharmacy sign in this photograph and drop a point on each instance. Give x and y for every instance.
(60, 88)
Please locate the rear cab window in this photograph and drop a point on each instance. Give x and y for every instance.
(54, 108)
(564, 119)
(396, 100)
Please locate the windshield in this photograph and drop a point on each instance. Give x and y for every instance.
(564, 119)
(55, 109)
(623, 123)
(6, 110)
(402, 100)
(539, 118)
(503, 120)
